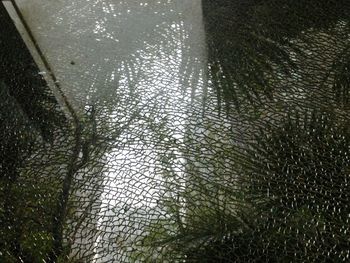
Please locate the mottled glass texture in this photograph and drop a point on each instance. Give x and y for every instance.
(174, 131)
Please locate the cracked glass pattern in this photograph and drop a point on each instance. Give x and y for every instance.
(174, 131)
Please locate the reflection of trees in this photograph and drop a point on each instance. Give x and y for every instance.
(41, 157)
(131, 89)
(145, 175)
(294, 204)
(132, 108)
(274, 187)
(297, 174)
(123, 87)
(252, 45)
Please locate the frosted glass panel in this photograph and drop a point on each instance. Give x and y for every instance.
(94, 46)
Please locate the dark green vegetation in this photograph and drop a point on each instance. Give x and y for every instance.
(36, 157)
(281, 74)
(29, 118)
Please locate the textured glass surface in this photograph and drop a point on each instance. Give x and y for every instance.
(174, 131)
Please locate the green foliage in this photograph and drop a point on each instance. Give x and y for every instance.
(289, 200)
(254, 44)
(297, 180)
(341, 84)
(290, 203)
(38, 245)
